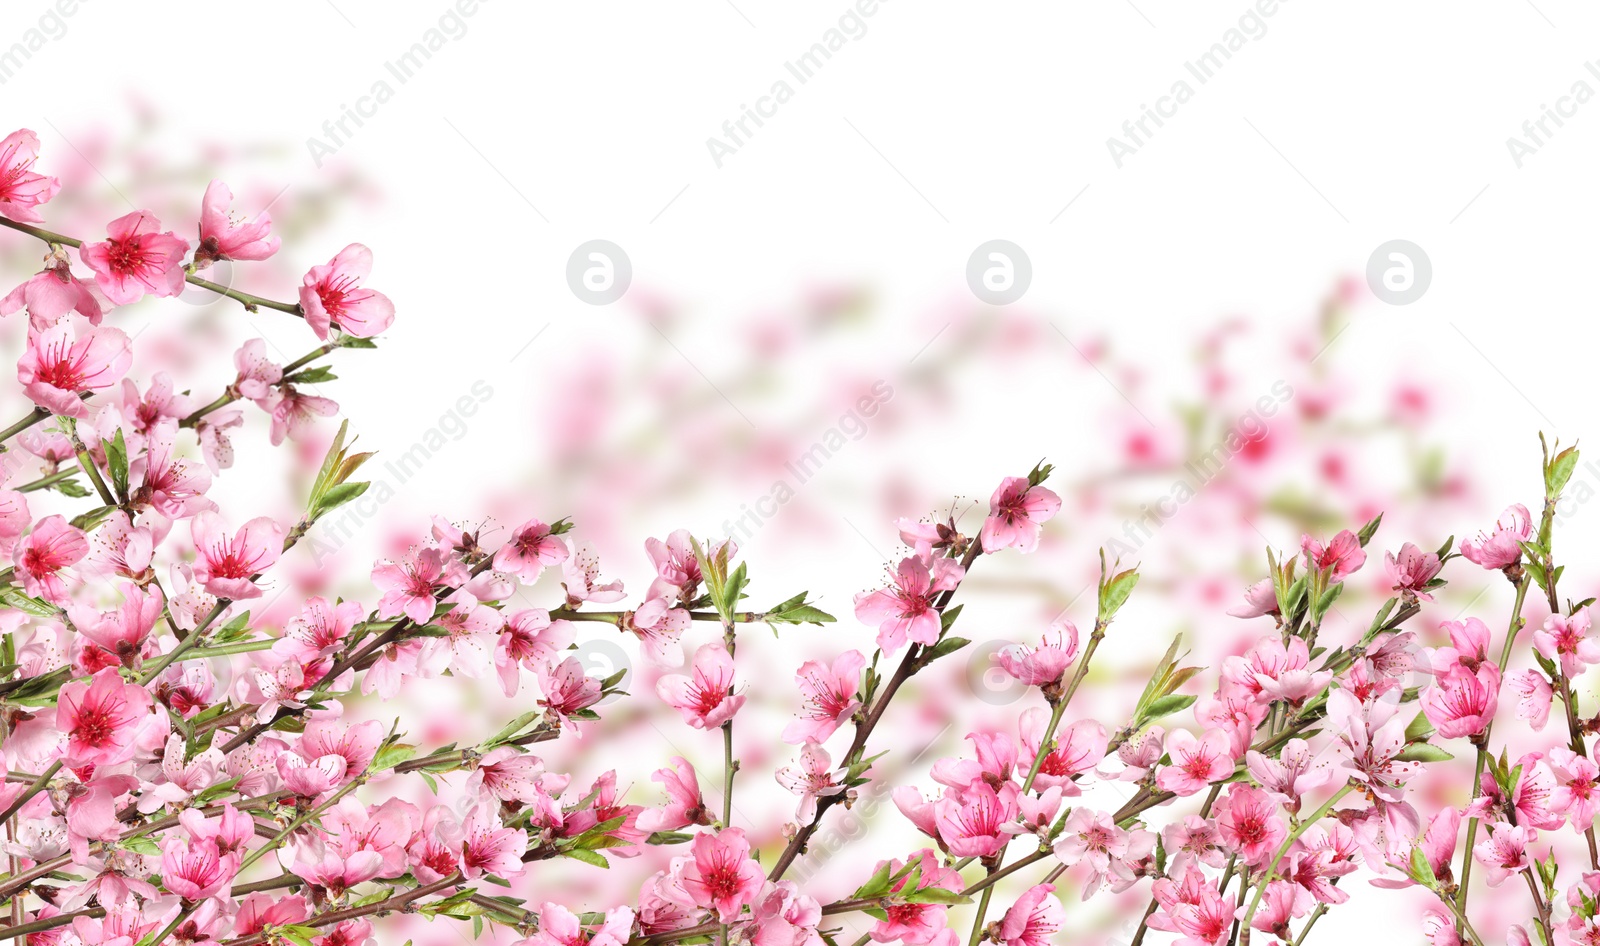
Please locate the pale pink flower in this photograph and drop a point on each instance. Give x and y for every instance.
(40, 558)
(1035, 814)
(559, 926)
(685, 805)
(357, 745)
(159, 405)
(472, 635)
(224, 236)
(310, 778)
(136, 259)
(92, 810)
(488, 847)
(830, 697)
(658, 625)
(22, 189)
(227, 564)
(101, 718)
(677, 567)
(906, 608)
(580, 577)
(1469, 645)
(260, 910)
(293, 412)
(320, 629)
(1034, 919)
(1568, 638)
(1271, 671)
(721, 874)
(1079, 747)
(173, 486)
(1017, 514)
(332, 294)
(1280, 903)
(918, 810)
(1411, 570)
(215, 443)
(121, 635)
(704, 698)
(812, 779)
(567, 692)
(257, 373)
(971, 826)
(1374, 738)
(529, 639)
(1192, 839)
(1577, 795)
(196, 870)
(52, 293)
(1260, 598)
(335, 872)
(1534, 695)
(1196, 763)
(1140, 753)
(531, 549)
(1497, 549)
(1341, 557)
(56, 367)
(1091, 837)
(409, 587)
(1296, 771)
(1046, 663)
(1205, 923)
(785, 917)
(1504, 852)
(1462, 703)
(506, 773)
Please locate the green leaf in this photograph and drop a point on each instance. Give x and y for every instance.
(588, 857)
(1420, 729)
(937, 895)
(392, 755)
(117, 464)
(1167, 705)
(1367, 531)
(947, 646)
(1424, 752)
(15, 598)
(1559, 471)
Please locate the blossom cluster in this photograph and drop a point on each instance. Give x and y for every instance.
(181, 770)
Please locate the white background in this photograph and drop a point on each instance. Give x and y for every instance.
(1343, 126)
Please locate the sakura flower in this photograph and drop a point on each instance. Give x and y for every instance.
(1091, 837)
(918, 810)
(1193, 839)
(567, 692)
(1411, 570)
(472, 635)
(1272, 671)
(1568, 638)
(580, 576)
(1140, 753)
(56, 367)
(337, 873)
(1374, 737)
(915, 923)
(331, 294)
(1206, 923)
(101, 718)
(1249, 825)
(1462, 703)
(721, 874)
(830, 697)
(172, 486)
(319, 629)
(1577, 793)
(196, 870)
(52, 293)
(559, 926)
(1196, 763)
(1079, 747)
(409, 587)
(532, 547)
(157, 406)
(1534, 695)
(1296, 771)
(705, 699)
(507, 774)
(1469, 645)
(1504, 852)
(972, 826)
(259, 910)
(1500, 548)
(311, 778)
(119, 637)
(1035, 815)
(257, 373)
(1260, 598)
(906, 608)
(1017, 513)
(136, 259)
(488, 847)
(1045, 664)
(1279, 904)
(224, 236)
(92, 811)
(677, 567)
(685, 805)
(1341, 557)
(22, 189)
(40, 558)
(357, 745)
(812, 779)
(227, 565)
(293, 412)
(658, 625)
(1033, 919)
(215, 444)
(529, 639)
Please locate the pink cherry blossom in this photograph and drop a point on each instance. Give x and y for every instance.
(1196, 763)
(704, 698)
(257, 374)
(224, 236)
(227, 564)
(22, 189)
(916, 923)
(559, 926)
(136, 259)
(1017, 513)
(1411, 570)
(972, 826)
(53, 292)
(658, 625)
(812, 779)
(1577, 794)
(331, 294)
(1534, 695)
(57, 367)
(409, 586)
(293, 412)
(1249, 825)
(906, 608)
(40, 558)
(101, 718)
(1341, 557)
(1498, 549)
(1462, 703)
(721, 874)
(489, 847)
(1260, 598)
(196, 870)
(685, 805)
(1092, 837)
(829, 697)
(1504, 852)
(529, 639)
(531, 548)
(1034, 919)
(1079, 747)
(567, 691)
(1045, 664)
(1567, 638)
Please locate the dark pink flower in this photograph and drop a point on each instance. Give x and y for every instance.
(226, 564)
(52, 293)
(1247, 820)
(56, 367)
(1196, 763)
(705, 698)
(1017, 514)
(331, 294)
(136, 259)
(1497, 549)
(1462, 703)
(1034, 919)
(40, 558)
(531, 548)
(685, 805)
(101, 718)
(1411, 570)
(830, 697)
(1038, 666)
(906, 608)
(1567, 639)
(1340, 557)
(721, 874)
